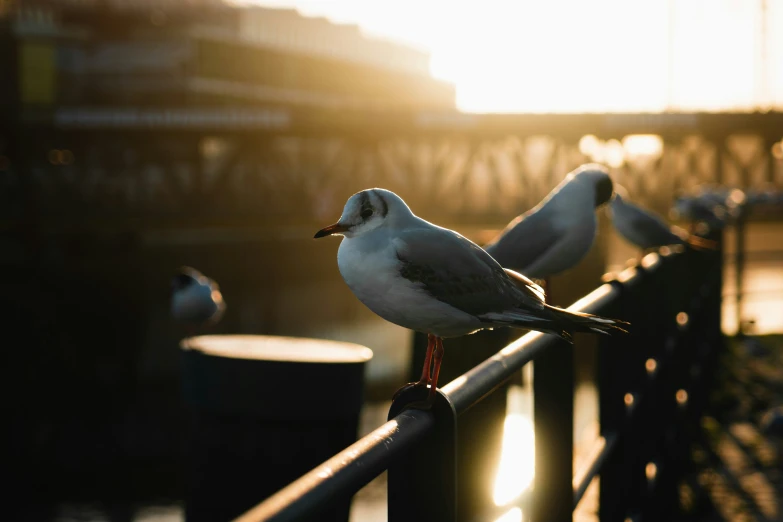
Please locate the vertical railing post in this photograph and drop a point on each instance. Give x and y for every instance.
(710, 336)
(553, 414)
(480, 429)
(618, 494)
(612, 415)
(715, 304)
(673, 352)
(422, 484)
(739, 265)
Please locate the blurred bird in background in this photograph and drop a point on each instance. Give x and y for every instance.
(647, 230)
(195, 299)
(709, 208)
(558, 232)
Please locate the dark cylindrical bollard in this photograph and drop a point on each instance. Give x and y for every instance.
(264, 410)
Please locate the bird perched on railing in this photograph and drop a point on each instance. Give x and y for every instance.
(714, 207)
(647, 230)
(767, 194)
(433, 280)
(558, 232)
(195, 298)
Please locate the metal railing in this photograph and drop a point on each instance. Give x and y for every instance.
(742, 256)
(652, 387)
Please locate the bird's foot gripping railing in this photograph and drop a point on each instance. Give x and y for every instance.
(652, 387)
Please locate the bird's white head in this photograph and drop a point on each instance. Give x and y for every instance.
(367, 210)
(595, 176)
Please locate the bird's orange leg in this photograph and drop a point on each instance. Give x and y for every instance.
(425, 372)
(437, 358)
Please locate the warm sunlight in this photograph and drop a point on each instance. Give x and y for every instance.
(517, 461)
(566, 56)
(512, 515)
(517, 454)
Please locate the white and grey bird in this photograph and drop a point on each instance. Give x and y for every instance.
(195, 298)
(715, 206)
(647, 230)
(697, 210)
(433, 280)
(767, 194)
(557, 233)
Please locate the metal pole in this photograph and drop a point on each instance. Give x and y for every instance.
(423, 482)
(612, 357)
(553, 405)
(739, 266)
(480, 430)
(345, 473)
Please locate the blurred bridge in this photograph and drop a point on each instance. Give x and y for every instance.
(145, 168)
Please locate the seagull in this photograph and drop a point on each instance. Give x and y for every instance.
(767, 194)
(646, 230)
(435, 281)
(702, 215)
(714, 206)
(195, 298)
(557, 233)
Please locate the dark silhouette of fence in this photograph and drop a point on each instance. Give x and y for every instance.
(652, 390)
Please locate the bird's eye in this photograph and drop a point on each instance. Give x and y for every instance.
(366, 213)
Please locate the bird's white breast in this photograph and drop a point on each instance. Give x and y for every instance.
(370, 268)
(572, 245)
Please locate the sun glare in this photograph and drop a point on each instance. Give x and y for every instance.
(517, 459)
(512, 515)
(517, 453)
(568, 56)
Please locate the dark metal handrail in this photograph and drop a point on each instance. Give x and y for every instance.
(413, 435)
(470, 388)
(348, 471)
(357, 465)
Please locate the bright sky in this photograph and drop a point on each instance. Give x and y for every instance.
(577, 56)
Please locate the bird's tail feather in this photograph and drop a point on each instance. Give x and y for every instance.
(582, 322)
(560, 322)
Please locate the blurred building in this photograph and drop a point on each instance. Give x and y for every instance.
(204, 52)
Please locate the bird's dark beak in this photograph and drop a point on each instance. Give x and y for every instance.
(331, 229)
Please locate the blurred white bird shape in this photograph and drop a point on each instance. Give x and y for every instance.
(556, 234)
(195, 298)
(647, 230)
(767, 194)
(713, 206)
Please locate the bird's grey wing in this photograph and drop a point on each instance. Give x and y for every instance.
(565, 253)
(456, 271)
(523, 241)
